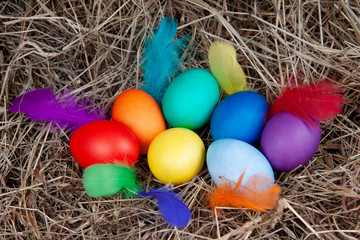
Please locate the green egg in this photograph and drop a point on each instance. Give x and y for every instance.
(190, 99)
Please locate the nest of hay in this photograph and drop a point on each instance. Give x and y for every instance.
(94, 48)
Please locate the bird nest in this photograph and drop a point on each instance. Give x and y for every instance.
(93, 48)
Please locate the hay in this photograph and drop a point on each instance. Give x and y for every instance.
(93, 48)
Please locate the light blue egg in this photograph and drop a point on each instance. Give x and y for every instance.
(229, 158)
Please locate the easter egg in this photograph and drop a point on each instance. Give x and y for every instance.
(141, 113)
(241, 116)
(176, 155)
(228, 158)
(190, 99)
(288, 142)
(104, 141)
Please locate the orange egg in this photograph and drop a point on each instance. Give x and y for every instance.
(141, 113)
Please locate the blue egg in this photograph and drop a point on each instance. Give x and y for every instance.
(229, 158)
(241, 116)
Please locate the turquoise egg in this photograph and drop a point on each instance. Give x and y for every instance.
(190, 99)
(228, 158)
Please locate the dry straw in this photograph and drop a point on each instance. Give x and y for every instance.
(94, 48)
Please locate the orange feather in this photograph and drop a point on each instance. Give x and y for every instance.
(259, 193)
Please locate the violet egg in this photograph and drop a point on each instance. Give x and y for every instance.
(288, 141)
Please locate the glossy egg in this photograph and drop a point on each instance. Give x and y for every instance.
(190, 99)
(241, 116)
(289, 142)
(104, 141)
(141, 113)
(176, 155)
(228, 158)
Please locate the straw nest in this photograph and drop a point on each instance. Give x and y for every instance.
(94, 48)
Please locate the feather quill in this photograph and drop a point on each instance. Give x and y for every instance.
(172, 208)
(161, 58)
(225, 67)
(259, 193)
(66, 111)
(321, 101)
(104, 180)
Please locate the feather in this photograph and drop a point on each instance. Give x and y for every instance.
(321, 101)
(225, 68)
(66, 111)
(103, 180)
(172, 208)
(259, 193)
(161, 58)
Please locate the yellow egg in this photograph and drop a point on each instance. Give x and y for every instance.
(176, 155)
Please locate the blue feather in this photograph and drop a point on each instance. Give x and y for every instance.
(161, 58)
(172, 208)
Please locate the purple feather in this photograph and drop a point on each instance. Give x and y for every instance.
(172, 208)
(66, 111)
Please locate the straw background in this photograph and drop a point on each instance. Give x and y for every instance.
(94, 49)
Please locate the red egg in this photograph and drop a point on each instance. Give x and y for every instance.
(103, 141)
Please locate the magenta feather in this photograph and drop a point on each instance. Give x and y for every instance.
(65, 110)
(172, 208)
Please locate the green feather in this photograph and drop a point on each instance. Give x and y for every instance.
(103, 180)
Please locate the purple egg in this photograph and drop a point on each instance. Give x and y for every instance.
(288, 142)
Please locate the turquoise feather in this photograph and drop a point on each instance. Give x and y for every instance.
(161, 58)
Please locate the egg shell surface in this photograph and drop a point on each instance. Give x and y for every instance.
(141, 113)
(176, 155)
(241, 115)
(103, 141)
(288, 142)
(190, 99)
(229, 158)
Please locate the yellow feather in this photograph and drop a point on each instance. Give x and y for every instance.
(225, 68)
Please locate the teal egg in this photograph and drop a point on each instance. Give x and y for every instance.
(190, 99)
(228, 158)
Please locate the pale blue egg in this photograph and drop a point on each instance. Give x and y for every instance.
(229, 158)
